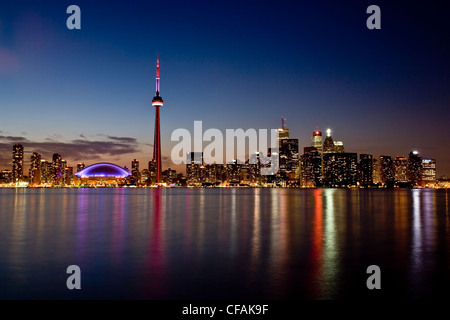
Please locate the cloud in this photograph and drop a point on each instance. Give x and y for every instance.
(76, 150)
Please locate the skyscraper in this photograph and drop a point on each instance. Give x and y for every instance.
(339, 146)
(46, 172)
(17, 163)
(35, 170)
(289, 164)
(414, 168)
(283, 132)
(365, 169)
(387, 170)
(376, 170)
(157, 102)
(339, 169)
(56, 169)
(401, 165)
(310, 168)
(316, 141)
(135, 174)
(328, 144)
(194, 164)
(428, 172)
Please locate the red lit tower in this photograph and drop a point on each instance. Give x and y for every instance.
(157, 102)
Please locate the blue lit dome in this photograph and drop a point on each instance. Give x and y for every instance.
(103, 169)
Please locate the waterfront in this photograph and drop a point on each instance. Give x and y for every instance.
(235, 243)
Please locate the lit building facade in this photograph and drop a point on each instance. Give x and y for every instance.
(35, 170)
(340, 169)
(401, 168)
(17, 163)
(414, 168)
(428, 172)
(310, 168)
(316, 141)
(328, 144)
(365, 172)
(387, 170)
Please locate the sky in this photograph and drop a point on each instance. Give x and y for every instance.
(86, 94)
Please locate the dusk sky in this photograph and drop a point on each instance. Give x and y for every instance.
(86, 94)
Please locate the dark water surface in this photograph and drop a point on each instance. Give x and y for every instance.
(224, 243)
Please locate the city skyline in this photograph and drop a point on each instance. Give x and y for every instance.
(91, 109)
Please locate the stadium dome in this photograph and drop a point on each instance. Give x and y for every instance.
(103, 169)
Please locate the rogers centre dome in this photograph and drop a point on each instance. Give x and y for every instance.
(103, 170)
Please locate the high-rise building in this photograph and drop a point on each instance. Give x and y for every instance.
(310, 168)
(328, 144)
(17, 163)
(365, 176)
(63, 171)
(339, 146)
(35, 169)
(387, 170)
(152, 169)
(157, 102)
(194, 166)
(376, 170)
(316, 141)
(401, 168)
(340, 169)
(46, 172)
(414, 168)
(68, 176)
(289, 160)
(428, 172)
(57, 169)
(135, 173)
(283, 132)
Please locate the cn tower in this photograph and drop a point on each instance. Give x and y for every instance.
(157, 102)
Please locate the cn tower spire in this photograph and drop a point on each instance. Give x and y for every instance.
(157, 75)
(157, 102)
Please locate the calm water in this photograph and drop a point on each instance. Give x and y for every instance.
(223, 243)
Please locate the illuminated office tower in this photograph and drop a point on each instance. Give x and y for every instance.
(135, 173)
(428, 172)
(316, 141)
(365, 176)
(17, 163)
(401, 166)
(376, 170)
(339, 146)
(414, 168)
(289, 158)
(63, 172)
(283, 132)
(340, 169)
(35, 169)
(194, 164)
(80, 166)
(387, 170)
(310, 168)
(152, 172)
(68, 175)
(157, 102)
(56, 169)
(46, 172)
(328, 144)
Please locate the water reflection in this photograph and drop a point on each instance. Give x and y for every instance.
(223, 243)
